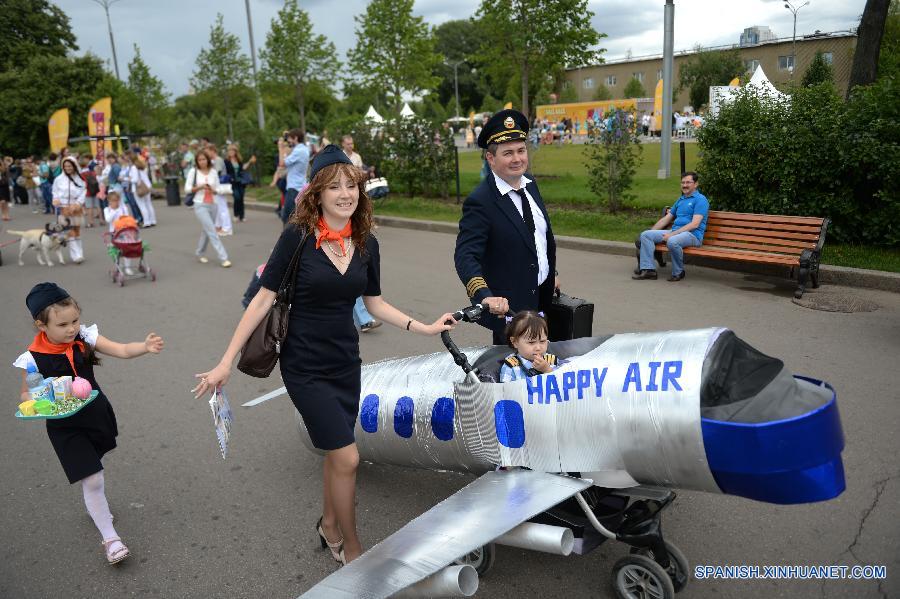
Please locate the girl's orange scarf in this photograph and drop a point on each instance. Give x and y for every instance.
(42, 344)
(328, 234)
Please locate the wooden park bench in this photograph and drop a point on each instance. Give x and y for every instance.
(794, 241)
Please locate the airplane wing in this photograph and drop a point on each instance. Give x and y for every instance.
(474, 516)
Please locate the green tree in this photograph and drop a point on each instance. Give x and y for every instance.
(222, 68)
(819, 71)
(524, 38)
(293, 55)
(612, 152)
(30, 94)
(602, 93)
(149, 92)
(707, 68)
(568, 94)
(634, 89)
(889, 57)
(33, 28)
(394, 49)
(456, 41)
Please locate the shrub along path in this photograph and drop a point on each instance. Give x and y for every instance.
(562, 176)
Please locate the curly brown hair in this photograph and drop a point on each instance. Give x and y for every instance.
(306, 214)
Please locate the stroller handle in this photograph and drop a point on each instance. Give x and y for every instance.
(467, 314)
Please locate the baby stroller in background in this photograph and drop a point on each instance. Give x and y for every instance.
(125, 243)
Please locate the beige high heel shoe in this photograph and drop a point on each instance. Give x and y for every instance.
(337, 548)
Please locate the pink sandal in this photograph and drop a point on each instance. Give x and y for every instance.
(116, 555)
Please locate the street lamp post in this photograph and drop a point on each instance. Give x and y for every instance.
(260, 115)
(790, 7)
(106, 4)
(455, 66)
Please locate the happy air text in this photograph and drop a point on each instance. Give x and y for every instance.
(566, 386)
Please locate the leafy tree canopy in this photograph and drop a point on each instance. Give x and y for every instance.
(528, 38)
(634, 89)
(819, 71)
(33, 28)
(149, 92)
(457, 41)
(394, 49)
(222, 68)
(707, 68)
(293, 55)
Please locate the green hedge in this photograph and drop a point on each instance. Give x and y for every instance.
(812, 155)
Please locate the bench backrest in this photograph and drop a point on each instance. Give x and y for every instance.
(788, 235)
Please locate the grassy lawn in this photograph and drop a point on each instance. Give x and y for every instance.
(563, 181)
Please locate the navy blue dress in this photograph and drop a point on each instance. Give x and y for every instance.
(82, 439)
(319, 359)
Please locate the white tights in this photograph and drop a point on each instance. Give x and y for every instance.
(97, 507)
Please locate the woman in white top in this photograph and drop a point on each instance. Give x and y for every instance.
(127, 177)
(68, 197)
(203, 182)
(140, 175)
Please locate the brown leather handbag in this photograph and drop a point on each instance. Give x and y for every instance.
(260, 353)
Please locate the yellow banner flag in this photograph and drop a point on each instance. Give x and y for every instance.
(507, 106)
(118, 140)
(656, 125)
(58, 129)
(99, 124)
(735, 82)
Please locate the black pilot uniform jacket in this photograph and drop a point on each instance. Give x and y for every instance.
(495, 253)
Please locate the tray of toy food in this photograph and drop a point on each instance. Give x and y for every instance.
(56, 398)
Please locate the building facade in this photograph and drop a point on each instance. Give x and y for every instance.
(775, 56)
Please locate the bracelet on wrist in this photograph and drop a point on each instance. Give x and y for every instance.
(408, 324)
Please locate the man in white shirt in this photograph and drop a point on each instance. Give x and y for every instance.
(505, 251)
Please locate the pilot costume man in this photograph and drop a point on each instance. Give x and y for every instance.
(505, 250)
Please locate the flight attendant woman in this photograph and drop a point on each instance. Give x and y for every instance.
(320, 364)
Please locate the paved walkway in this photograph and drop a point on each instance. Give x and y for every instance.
(203, 527)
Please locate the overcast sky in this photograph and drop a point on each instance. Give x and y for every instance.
(170, 33)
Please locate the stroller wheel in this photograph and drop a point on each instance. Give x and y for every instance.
(678, 570)
(482, 559)
(152, 274)
(638, 576)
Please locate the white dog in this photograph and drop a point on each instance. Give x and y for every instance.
(43, 241)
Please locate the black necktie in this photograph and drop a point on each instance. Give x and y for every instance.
(527, 216)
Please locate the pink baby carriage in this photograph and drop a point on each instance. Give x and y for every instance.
(125, 243)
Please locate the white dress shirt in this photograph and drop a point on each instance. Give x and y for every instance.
(540, 223)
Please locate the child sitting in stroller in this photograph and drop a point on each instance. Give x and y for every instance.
(528, 334)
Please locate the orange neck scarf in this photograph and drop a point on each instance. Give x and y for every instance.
(42, 344)
(328, 234)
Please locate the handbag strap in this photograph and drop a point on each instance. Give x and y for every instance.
(286, 289)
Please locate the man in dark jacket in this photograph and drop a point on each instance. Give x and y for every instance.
(505, 250)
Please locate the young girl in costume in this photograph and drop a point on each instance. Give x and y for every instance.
(527, 333)
(65, 347)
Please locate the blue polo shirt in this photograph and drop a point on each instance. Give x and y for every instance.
(296, 164)
(686, 208)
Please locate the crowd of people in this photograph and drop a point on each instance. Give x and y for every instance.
(505, 258)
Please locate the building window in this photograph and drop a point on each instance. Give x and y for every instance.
(827, 57)
(588, 83)
(567, 84)
(785, 63)
(610, 80)
(659, 74)
(638, 76)
(751, 65)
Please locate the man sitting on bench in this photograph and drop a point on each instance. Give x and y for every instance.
(688, 219)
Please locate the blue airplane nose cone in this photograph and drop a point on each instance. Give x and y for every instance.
(795, 460)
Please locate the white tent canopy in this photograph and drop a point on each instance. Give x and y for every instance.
(407, 111)
(720, 95)
(373, 116)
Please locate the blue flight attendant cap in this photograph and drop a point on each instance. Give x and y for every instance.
(330, 154)
(505, 126)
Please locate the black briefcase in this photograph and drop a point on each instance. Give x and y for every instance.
(570, 318)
